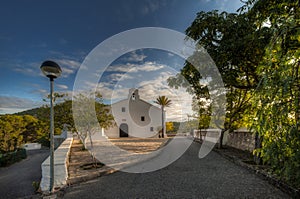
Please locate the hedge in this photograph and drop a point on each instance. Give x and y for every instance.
(12, 157)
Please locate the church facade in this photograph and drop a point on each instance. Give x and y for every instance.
(134, 117)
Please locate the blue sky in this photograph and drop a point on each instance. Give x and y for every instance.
(66, 31)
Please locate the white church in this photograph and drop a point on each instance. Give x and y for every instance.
(134, 117)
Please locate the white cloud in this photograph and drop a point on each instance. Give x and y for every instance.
(25, 70)
(119, 68)
(67, 71)
(69, 63)
(40, 91)
(134, 57)
(31, 69)
(62, 86)
(150, 66)
(229, 6)
(119, 77)
(112, 95)
(68, 66)
(11, 110)
(181, 100)
(151, 80)
(152, 6)
(150, 88)
(134, 68)
(16, 104)
(171, 54)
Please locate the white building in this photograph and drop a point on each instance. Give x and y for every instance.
(134, 117)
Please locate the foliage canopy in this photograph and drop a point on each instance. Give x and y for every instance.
(257, 53)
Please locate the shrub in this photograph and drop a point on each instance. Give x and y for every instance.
(12, 157)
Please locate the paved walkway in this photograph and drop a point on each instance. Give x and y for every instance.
(16, 180)
(188, 177)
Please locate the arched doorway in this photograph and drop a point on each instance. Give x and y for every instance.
(123, 130)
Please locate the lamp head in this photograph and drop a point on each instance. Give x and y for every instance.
(51, 69)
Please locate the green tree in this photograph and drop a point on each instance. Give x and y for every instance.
(276, 103)
(257, 54)
(163, 101)
(202, 113)
(236, 45)
(169, 127)
(17, 130)
(63, 114)
(11, 132)
(63, 111)
(35, 130)
(86, 123)
(30, 124)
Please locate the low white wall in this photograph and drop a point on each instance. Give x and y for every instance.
(32, 146)
(61, 160)
(211, 135)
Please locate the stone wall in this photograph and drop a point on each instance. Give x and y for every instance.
(241, 139)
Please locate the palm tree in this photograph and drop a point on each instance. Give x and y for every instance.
(163, 101)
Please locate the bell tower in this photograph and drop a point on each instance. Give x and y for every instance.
(133, 94)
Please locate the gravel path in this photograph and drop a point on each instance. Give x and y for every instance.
(188, 177)
(139, 145)
(16, 180)
(78, 159)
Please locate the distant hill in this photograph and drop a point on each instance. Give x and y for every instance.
(41, 113)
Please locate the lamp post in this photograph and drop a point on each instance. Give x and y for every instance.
(51, 70)
(189, 125)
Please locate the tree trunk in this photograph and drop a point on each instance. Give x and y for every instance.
(258, 144)
(92, 150)
(162, 122)
(221, 139)
(297, 112)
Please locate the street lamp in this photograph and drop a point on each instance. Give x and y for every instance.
(51, 70)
